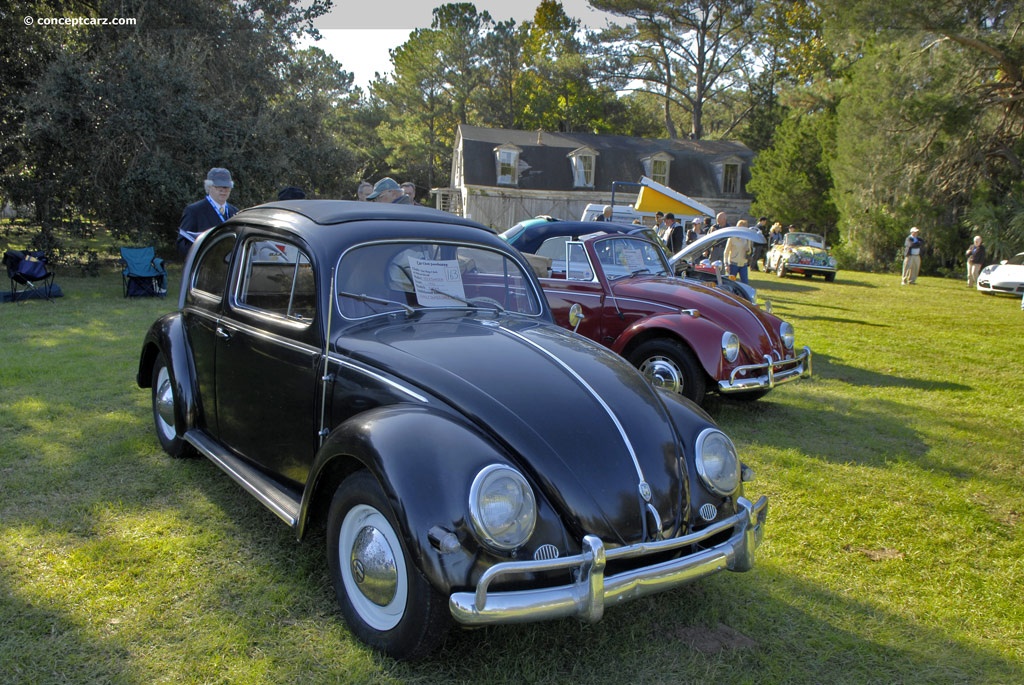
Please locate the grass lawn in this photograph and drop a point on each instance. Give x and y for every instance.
(893, 552)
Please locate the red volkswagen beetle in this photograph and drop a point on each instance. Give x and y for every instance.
(616, 287)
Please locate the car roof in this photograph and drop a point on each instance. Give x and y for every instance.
(331, 212)
(328, 226)
(530, 238)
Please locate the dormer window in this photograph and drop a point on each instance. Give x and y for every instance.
(506, 159)
(584, 161)
(656, 167)
(731, 179)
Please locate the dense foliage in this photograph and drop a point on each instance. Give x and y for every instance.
(868, 116)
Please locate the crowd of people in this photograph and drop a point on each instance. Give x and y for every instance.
(737, 254)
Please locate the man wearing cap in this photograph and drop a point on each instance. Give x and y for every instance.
(211, 211)
(912, 257)
(388, 190)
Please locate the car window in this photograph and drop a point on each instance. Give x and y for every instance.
(277, 279)
(407, 276)
(554, 247)
(213, 266)
(625, 256)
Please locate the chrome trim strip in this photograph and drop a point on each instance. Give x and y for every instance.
(586, 597)
(593, 393)
(341, 361)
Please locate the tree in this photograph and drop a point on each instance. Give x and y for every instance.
(950, 113)
(686, 52)
(121, 123)
(792, 180)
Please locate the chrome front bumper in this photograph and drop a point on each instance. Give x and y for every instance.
(769, 374)
(587, 597)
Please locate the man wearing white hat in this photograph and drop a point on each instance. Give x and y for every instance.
(912, 257)
(211, 211)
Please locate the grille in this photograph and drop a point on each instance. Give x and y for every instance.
(709, 512)
(546, 552)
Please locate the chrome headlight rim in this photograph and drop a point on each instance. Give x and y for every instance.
(788, 334)
(717, 462)
(496, 529)
(730, 346)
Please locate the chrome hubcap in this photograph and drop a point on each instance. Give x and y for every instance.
(373, 566)
(662, 373)
(165, 404)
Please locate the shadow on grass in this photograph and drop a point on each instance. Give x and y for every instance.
(827, 367)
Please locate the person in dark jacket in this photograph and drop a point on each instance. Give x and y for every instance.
(212, 210)
(976, 258)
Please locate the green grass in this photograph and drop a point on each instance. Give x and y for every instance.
(893, 552)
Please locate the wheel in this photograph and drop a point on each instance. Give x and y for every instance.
(780, 269)
(385, 599)
(830, 277)
(669, 364)
(164, 402)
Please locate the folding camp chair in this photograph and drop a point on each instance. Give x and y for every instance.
(29, 269)
(144, 274)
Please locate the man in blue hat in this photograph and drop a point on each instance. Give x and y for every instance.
(388, 190)
(212, 210)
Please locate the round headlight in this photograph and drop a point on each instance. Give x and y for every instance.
(502, 507)
(717, 462)
(730, 346)
(787, 334)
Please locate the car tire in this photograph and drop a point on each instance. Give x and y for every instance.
(669, 364)
(165, 405)
(830, 277)
(398, 613)
(780, 269)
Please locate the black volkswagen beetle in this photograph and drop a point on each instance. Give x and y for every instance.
(393, 373)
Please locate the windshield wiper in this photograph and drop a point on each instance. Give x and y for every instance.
(377, 300)
(486, 301)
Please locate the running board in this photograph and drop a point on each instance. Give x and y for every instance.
(283, 502)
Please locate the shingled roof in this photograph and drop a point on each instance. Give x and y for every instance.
(544, 163)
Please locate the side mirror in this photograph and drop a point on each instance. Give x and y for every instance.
(575, 316)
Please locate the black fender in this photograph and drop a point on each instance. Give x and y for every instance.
(425, 459)
(690, 419)
(167, 336)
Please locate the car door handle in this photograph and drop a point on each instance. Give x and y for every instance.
(222, 333)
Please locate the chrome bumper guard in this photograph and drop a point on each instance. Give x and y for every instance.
(769, 374)
(587, 597)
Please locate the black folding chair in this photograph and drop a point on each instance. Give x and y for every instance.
(144, 274)
(30, 270)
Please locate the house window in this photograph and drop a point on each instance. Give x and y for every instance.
(731, 179)
(583, 163)
(656, 167)
(507, 159)
(659, 171)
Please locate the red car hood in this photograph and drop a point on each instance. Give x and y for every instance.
(757, 330)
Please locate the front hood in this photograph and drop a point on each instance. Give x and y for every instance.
(577, 419)
(757, 330)
(705, 242)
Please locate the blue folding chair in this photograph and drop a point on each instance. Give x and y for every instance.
(144, 274)
(29, 269)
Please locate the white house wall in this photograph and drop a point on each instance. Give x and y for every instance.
(501, 208)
